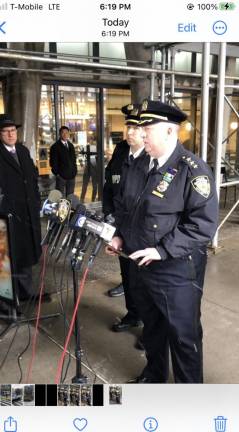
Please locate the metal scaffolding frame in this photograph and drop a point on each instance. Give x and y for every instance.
(162, 72)
(98, 65)
(205, 100)
(221, 97)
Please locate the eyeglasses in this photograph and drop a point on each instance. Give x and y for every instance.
(8, 131)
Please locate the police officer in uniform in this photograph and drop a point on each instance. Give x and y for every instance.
(123, 157)
(168, 215)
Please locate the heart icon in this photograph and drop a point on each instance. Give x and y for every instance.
(80, 423)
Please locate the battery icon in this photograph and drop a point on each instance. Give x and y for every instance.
(224, 6)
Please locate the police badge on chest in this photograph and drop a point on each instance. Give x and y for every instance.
(115, 178)
(167, 179)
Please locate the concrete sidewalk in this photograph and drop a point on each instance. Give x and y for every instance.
(111, 357)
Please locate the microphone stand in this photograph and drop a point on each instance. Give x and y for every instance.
(79, 378)
(76, 263)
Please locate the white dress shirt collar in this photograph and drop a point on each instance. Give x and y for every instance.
(11, 149)
(162, 159)
(137, 153)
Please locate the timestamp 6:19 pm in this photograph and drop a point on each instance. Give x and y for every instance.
(115, 33)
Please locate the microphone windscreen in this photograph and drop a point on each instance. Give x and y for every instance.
(54, 196)
(80, 210)
(74, 201)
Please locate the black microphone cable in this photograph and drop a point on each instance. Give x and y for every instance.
(63, 304)
(61, 361)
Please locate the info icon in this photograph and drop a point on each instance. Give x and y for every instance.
(150, 424)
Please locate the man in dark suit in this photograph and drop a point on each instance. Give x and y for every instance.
(20, 197)
(63, 162)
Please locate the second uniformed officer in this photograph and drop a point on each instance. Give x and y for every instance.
(123, 157)
(168, 215)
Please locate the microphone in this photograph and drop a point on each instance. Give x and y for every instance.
(102, 229)
(58, 211)
(50, 203)
(62, 213)
(69, 235)
(95, 251)
(104, 236)
(55, 195)
(51, 229)
(78, 257)
(74, 201)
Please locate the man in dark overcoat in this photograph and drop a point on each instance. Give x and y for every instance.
(63, 162)
(19, 189)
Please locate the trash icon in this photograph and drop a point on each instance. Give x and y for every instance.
(220, 424)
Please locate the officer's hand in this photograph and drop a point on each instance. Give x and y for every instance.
(116, 243)
(148, 254)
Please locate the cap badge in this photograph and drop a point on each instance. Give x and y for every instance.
(134, 112)
(144, 105)
(130, 107)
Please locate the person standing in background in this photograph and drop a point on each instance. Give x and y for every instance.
(63, 162)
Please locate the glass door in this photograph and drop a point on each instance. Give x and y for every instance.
(78, 110)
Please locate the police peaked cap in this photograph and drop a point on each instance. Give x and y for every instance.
(132, 114)
(5, 121)
(155, 111)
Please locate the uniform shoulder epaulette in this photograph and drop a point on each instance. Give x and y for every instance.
(188, 160)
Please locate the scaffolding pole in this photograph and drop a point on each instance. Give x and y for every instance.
(205, 100)
(152, 76)
(77, 63)
(231, 106)
(163, 77)
(219, 123)
(172, 67)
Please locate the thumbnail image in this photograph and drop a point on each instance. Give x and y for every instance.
(17, 394)
(115, 395)
(5, 395)
(63, 395)
(86, 395)
(75, 395)
(29, 395)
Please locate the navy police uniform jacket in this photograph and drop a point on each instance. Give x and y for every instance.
(113, 173)
(174, 208)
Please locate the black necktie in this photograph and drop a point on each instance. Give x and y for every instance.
(131, 159)
(14, 155)
(155, 166)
